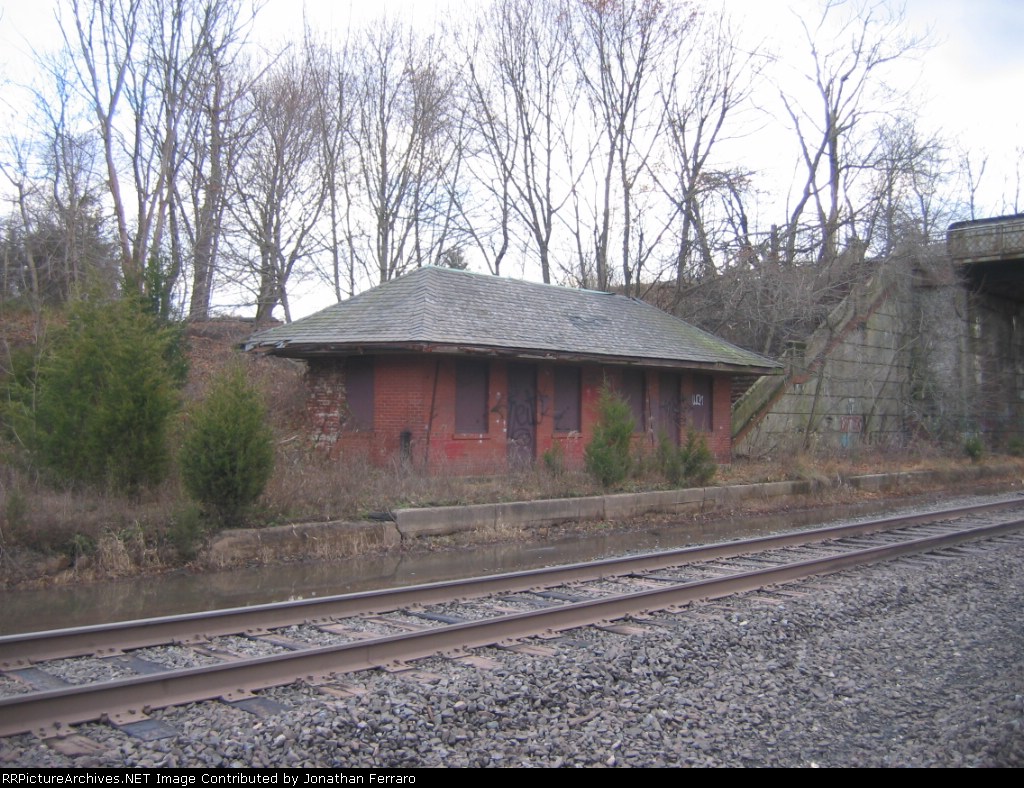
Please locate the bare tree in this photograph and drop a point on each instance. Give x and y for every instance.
(491, 152)
(219, 84)
(333, 94)
(620, 45)
(524, 96)
(141, 66)
(407, 137)
(22, 276)
(81, 253)
(56, 237)
(103, 38)
(972, 169)
(278, 189)
(709, 81)
(850, 51)
(909, 173)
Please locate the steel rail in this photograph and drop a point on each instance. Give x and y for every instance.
(49, 712)
(24, 649)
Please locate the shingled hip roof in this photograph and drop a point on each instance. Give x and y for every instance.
(448, 311)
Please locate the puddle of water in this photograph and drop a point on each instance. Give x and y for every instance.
(180, 592)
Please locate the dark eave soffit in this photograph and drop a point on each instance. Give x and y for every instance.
(321, 350)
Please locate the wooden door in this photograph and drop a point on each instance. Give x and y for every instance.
(669, 406)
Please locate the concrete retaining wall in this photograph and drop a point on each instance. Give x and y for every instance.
(327, 541)
(445, 520)
(323, 541)
(850, 387)
(910, 352)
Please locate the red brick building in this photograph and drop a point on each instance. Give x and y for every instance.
(470, 373)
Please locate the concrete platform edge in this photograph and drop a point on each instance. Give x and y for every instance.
(445, 520)
(333, 540)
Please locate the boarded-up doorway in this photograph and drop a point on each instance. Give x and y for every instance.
(522, 414)
(669, 407)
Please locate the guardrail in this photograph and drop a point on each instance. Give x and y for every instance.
(987, 239)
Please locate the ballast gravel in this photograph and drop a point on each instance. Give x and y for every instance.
(917, 662)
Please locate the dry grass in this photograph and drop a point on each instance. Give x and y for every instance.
(89, 533)
(69, 536)
(81, 531)
(827, 465)
(310, 485)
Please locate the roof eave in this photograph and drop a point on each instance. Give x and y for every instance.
(309, 350)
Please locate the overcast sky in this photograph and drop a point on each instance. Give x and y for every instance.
(970, 81)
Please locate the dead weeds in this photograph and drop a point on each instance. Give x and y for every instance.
(49, 536)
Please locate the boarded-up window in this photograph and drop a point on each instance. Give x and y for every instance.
(471, 396)
(567, 399)
(359, 393)
(700, 403)
(631, 387)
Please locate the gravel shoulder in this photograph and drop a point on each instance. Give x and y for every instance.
(918, 662)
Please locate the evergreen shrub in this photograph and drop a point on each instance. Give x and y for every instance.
(689, 464)
(974, 448)
(103, 398)
(608, 456)
(699, 466)
(554, 460)
(227, 455)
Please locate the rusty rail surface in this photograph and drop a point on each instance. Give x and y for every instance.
(23, 649)
(50, 712)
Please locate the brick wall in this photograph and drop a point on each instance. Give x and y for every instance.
(325, 386)
(414, 414)
(466, 453)
(720, 441)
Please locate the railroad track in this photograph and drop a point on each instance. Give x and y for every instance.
(321, 639)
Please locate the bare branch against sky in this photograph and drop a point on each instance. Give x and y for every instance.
(648, 141)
